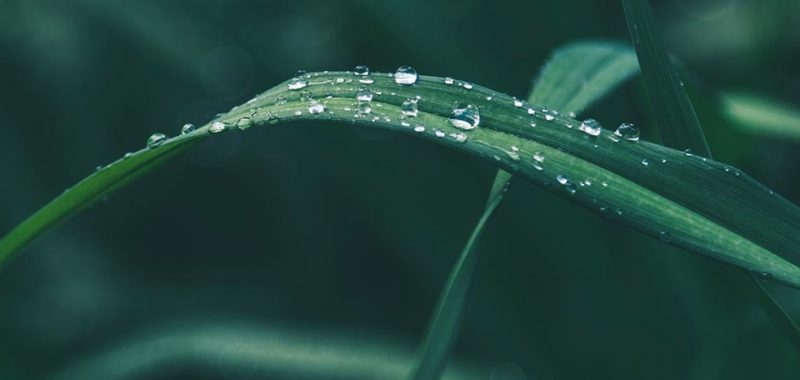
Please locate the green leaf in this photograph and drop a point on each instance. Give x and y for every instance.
(760, 115)
(574, 77)
(674, 113)
(695, 203)
(580, 73)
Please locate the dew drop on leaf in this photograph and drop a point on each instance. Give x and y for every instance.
(187, 128)
(216, 127)
(409, 108)
(591, 127)
(156, 139)
(465, 117)
(361, 70)
(297, 83)
(364, 95)
(628, 132)
(405, 75)
(316, 107)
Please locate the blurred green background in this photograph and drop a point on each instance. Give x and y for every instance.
(327, 235)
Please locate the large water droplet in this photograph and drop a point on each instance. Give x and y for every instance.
(187, 128)
(156, 139)
(409, 108)
(628, 132)
(591, 127)
(316, 107)
(297, 83)
(405, 75)
(364, 95)
(361, 70)
(465, 117)
(216, 127)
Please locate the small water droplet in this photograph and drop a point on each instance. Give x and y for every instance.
(517, 103)
(448, 80)
(156, 139)
(297, 83)
(538, 157)
(665, 236)
(591, 127)
(531, 111)
(217, 127)
(570, 187)
(438, 133)
(364, 95)
(364, 108)
(419, 128)
(298, 113)
(645, 162)
(549, 117)
(316, 107)
(459, 137)
(361, 70)
(409, 108)
(280, 100)
(628, 132)
(244, 123)
(187, 128)
(562, 179)
(465, 117)
(467, 86)
(405, 75)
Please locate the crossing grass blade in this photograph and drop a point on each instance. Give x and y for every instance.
(760, 115)
(698, 204)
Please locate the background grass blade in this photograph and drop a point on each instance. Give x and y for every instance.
(665, 93)
(573, 78)
(694, 203)
(759, 115)
(580, 73)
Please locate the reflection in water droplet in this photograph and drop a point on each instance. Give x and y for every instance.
(628, 132)
(156, 139)
(409, 108)
(405, 75)
(591, 127)
(216, 127)
(297, 83)
(465, 117)
(187, 128)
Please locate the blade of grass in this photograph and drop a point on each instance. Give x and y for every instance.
(574, 77)
(697, 204)
(667, 97)
(760, 115)
(678, 123)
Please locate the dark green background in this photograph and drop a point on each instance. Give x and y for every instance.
(303, 228)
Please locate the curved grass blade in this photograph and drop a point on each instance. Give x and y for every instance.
(760, 115)
(694, 203)
(580, 73)
(665, 93)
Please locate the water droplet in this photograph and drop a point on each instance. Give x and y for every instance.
(316, 107)
(513, 155)
(549, 117)
(280, 100)
(364, 107)
(244, 123)
(156, 139)
(665, 236)
(361, 70)
(419, 128)
(405, 75)
(187, 128)
(216, 127)
(517, 103)
(409, 108)
(438, 133)
(645, 162)
(465, 117)
(364, 95)
(533, 124)
(538, 157)
(562, 179)
(467, 86)
(591, 127)
(459, 137)
(531, 111)
(448, 80)
(628, 132)
(298, 113)
(570, 187)
(297, 83)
